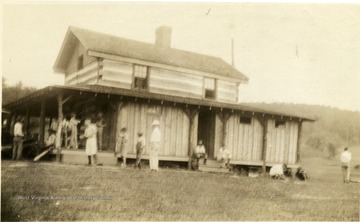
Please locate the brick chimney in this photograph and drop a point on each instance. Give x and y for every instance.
(163, 37)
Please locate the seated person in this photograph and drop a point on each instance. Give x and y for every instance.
(301, 174)
(224, 156)
(277, 171)
(200, 152)
(50, 141)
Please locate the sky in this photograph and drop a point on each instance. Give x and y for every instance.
(294, 53)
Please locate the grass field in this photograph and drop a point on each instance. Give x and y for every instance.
(72, 192)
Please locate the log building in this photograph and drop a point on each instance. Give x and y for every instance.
(133, 83)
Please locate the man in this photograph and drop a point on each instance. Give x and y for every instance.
(224, 156)
(18, 139)
(100, 128)
(50, 141)
(155, 146)
(277, 171)
(345, 158)
(140, 146)
(200, 152)
(74, 132)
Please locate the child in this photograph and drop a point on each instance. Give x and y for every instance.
(140, 145)
(224, 156)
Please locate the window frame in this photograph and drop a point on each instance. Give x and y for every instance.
(206, 89)
(135, 77)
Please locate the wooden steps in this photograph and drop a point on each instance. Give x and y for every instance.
(212, 166)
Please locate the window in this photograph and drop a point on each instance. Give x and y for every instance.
(140, 77)
(209, 86)
(80, 63)
(245, 120)
(279, 123)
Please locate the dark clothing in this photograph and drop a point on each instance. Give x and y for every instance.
(17, 148)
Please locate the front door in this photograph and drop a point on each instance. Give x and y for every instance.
(206, 131)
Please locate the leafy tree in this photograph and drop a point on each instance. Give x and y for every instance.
(12, 93)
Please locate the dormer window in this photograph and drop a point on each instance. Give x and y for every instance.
(140, 77)
(80, 63)
(209, 85)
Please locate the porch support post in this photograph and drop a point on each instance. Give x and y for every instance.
(27, 121)
(224, 116)
(8, 123)
(193, 115)
(58, 133)
(298, 154)
(42, 124)
(264, 122)
(12, 123)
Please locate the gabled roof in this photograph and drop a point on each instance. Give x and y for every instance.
(114, 45)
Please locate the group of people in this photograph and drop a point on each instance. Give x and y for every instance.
(223, 156)
(121, 148)
(93, 134)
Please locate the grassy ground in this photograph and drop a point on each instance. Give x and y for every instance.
(129, 194)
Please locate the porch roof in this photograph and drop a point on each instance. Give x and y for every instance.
(52, 91)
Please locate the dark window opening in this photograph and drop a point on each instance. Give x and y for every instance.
(80, 62)
(209, 94)
(140, 77)
(209, 86)
(140, 83)
(279, 123)
(245, 120)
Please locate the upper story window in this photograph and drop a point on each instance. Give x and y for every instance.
(80, 62)
(210, 87)
(140, 77)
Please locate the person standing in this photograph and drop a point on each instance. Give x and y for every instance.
(140, 146)
(100, 127)
(18, 139)
(155, 146)
(345, 158)
(74, 132)
(91, 145)
(122, 144)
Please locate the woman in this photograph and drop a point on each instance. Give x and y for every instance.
(91, 143)
(155, 146)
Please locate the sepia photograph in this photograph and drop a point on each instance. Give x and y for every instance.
(180, 111)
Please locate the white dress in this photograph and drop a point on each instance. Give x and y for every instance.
(154, 149)
(91, 144)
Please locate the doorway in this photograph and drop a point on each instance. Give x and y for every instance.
(206, 131)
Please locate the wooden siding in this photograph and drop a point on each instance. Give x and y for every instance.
(282, 142)
(73, 62)
(244, 140)
(226, 91)
(87, 75)
(174, 127)
(116, 74)
(175, 83)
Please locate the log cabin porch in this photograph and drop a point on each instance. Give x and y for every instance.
(190, 118)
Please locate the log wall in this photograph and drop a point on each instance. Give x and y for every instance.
(244, 140)
(282, 142)
(175, 83)
(174, 127)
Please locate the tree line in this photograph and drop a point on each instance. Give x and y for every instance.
(12, 93)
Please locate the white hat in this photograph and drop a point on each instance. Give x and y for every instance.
(155, 123)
